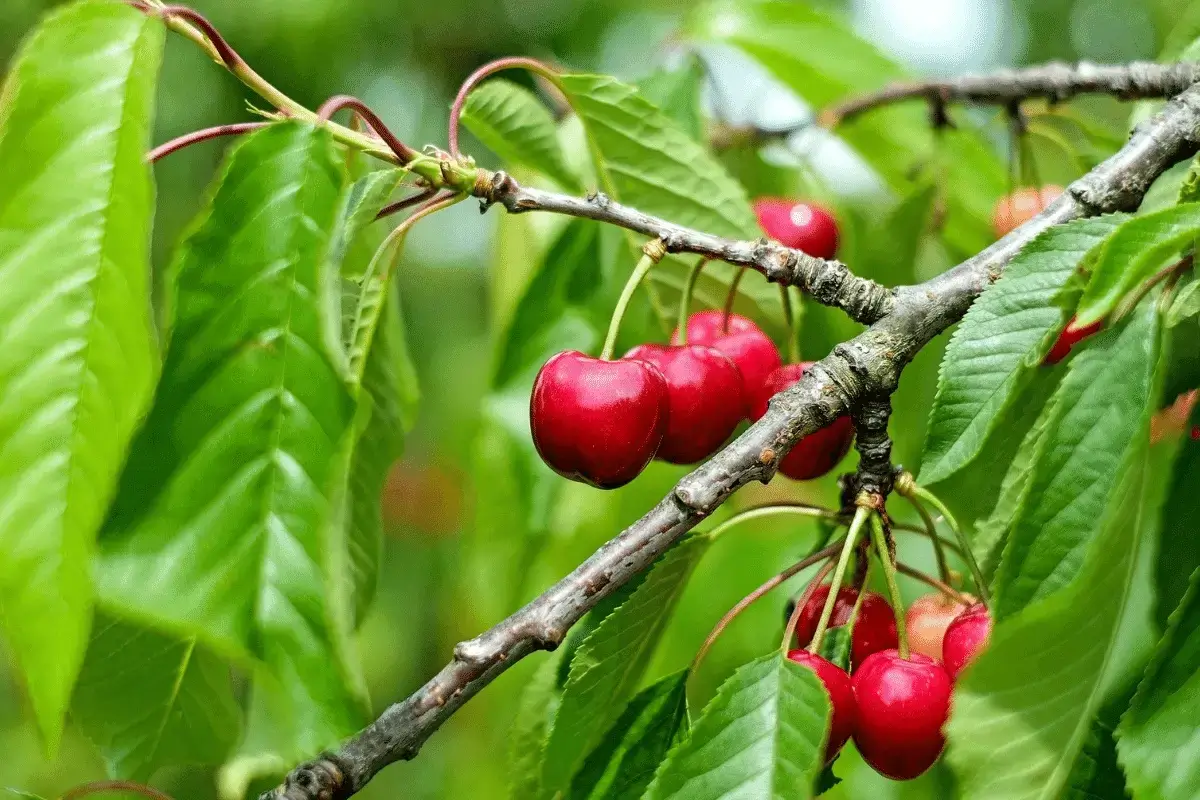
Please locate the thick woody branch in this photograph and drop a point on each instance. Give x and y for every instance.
(865, 367)
(1055, 81)
(827, 281)
(875, 470)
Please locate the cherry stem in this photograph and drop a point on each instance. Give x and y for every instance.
(750, 599)
(976, 573)
(650, 257)
(930, 526)
(889, 574)
(858, 601)
(98, 787)
(1171, 270)
(933, 582)
(195, 137)
(492, 67)
(398, 233)
(685, 302)
(727, 312)
(789, 321)
(802, 603)
(800, 509)
(856, 525)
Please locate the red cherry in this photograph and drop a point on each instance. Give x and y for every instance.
(599, 422)
(926, 621)
(704, 398)
(744, 342)
(820, 451)
(841, 698)
(965, 638)
(802, 226)
(902, 705)
(1070, 337)
(1014, 210)
(874, 630)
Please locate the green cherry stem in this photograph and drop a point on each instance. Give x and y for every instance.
(932, 582)
(889, 574)
(798, 509)
(839, 573)
(789, 321)
(685, 302)
(727, 312)
(789, 628)
(976, 573)
(938, 551)
(651, 255)
(733, 613)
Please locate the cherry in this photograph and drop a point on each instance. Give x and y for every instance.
(704, 398)
(965, 638)
(874, 630)
(1014, 210)
(1070, 337)
(802, 226)
(902, 705)
(820, 451)
(595, 421)
(744, 342)
(926, 622)
(843, 710)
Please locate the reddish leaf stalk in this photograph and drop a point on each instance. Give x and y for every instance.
(474, 79)
(195, 137)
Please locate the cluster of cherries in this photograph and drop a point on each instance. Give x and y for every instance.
(601, 421)
(893, 707)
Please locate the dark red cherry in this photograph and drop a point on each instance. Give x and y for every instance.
(902, 705)
(965, 638)
(744, 342)
(1070, 337)
(820, 451)
(599, 422)
(803, 226)
(927, 619)
(704, 398)
(841, 698)
(874, 630)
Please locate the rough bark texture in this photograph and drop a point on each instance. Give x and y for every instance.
(866, 368)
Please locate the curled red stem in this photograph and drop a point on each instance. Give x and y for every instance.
(473, 80)
(407, 202)
(96, 787)
(343, 101)
(228, 55)
(175, 145)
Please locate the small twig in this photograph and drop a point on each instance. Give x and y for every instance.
(195, 137)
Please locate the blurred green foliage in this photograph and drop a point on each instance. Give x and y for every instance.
(459, 555)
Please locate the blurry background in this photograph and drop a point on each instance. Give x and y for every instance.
(467, 539)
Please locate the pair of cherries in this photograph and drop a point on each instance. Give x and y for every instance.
(601, 422)
(893, 707)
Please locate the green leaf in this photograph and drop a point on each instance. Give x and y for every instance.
(676, 92)
(623, 764)
(608, 665)
(893, 246)
(149, 700)
(645, 160)
(1157, 740)
(1097, 775)
(1132, 255)
(78, 356)
(1031, 696)
(1189, 190)
(1096, 418)
(821, 59)
(1185, 305)
(222, 526)
(364, 199)
(1003, 337)
(1179, 547)
(527, 745)
(762, 736)
(517, 126)
(835, 647)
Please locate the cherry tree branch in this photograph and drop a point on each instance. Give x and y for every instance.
(867, 366)
(1055, 81)
(825, 280)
